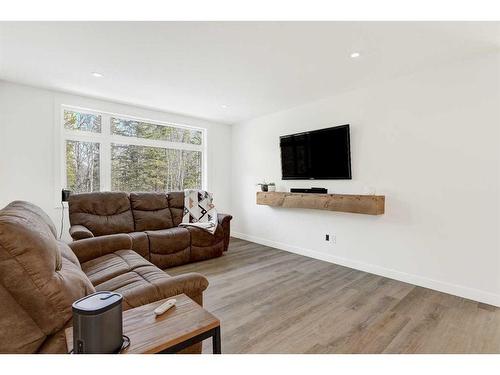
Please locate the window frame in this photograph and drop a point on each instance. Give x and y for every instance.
(106, 139)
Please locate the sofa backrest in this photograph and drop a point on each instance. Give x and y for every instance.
(39, 279)
(150, 211)
(34, 213)
(176, 204)
(102, 213)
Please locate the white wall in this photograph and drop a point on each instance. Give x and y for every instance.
(29, 151)
(430, 143)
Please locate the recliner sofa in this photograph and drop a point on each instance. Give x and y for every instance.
(41, 276)
(151, 221)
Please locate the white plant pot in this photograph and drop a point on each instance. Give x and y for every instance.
(271, 188)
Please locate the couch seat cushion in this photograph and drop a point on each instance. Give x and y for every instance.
(169, 247)
(144, 285)
(138, 287)
(166, 241)
(139, 281)
(108, 266)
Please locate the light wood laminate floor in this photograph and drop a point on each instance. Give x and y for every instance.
(272, 301)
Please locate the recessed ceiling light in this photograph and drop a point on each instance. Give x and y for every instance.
(97, 74)
(223, 106)
(355, 55)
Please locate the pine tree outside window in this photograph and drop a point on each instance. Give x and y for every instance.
(108, 152)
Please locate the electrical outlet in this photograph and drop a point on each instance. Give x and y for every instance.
(327, 237)
(334, 239)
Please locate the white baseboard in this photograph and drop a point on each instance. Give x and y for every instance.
(441, 286)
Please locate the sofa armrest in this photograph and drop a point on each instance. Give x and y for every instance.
(224, 221)
(223, 218)
(79, 232)
(91, 248)
(191, 284)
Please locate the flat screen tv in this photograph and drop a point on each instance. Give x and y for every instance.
(317, 155)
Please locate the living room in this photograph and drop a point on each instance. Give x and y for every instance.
(265, 187)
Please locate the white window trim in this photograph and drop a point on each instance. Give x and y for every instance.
(105, 139)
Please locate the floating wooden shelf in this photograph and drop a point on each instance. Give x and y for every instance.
(358, 204)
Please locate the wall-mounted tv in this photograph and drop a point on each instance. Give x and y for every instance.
(317, 155)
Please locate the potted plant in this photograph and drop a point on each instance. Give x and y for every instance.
(263, 186)
(267, 186)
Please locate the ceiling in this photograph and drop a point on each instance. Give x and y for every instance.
(229, 71)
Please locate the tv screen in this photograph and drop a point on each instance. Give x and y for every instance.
(317, 155)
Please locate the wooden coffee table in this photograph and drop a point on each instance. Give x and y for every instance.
(185, 324)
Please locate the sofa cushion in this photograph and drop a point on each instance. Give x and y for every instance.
(140, 243)
(169, 247)
(176, 204)
(151, 211)
(68, 254)
(147, 284)
(108, 266)
(137, 286)
(102, 213)
(166, 241)
(38, 283)
(140, 282)
(24, 334)
(29, 210)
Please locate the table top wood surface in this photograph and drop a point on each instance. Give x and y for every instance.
(150, 334)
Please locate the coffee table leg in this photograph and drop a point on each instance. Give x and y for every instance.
(216, 341)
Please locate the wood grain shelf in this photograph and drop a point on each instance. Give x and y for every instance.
(358, 204)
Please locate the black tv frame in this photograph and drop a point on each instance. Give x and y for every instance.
(349, 177)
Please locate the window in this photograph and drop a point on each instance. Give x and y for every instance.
(132, 128)
(154, 168)
(82, 121)
(105, 152)
(82, 166)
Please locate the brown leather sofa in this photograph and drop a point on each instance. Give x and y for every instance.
(151, 221)
(40, 277)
